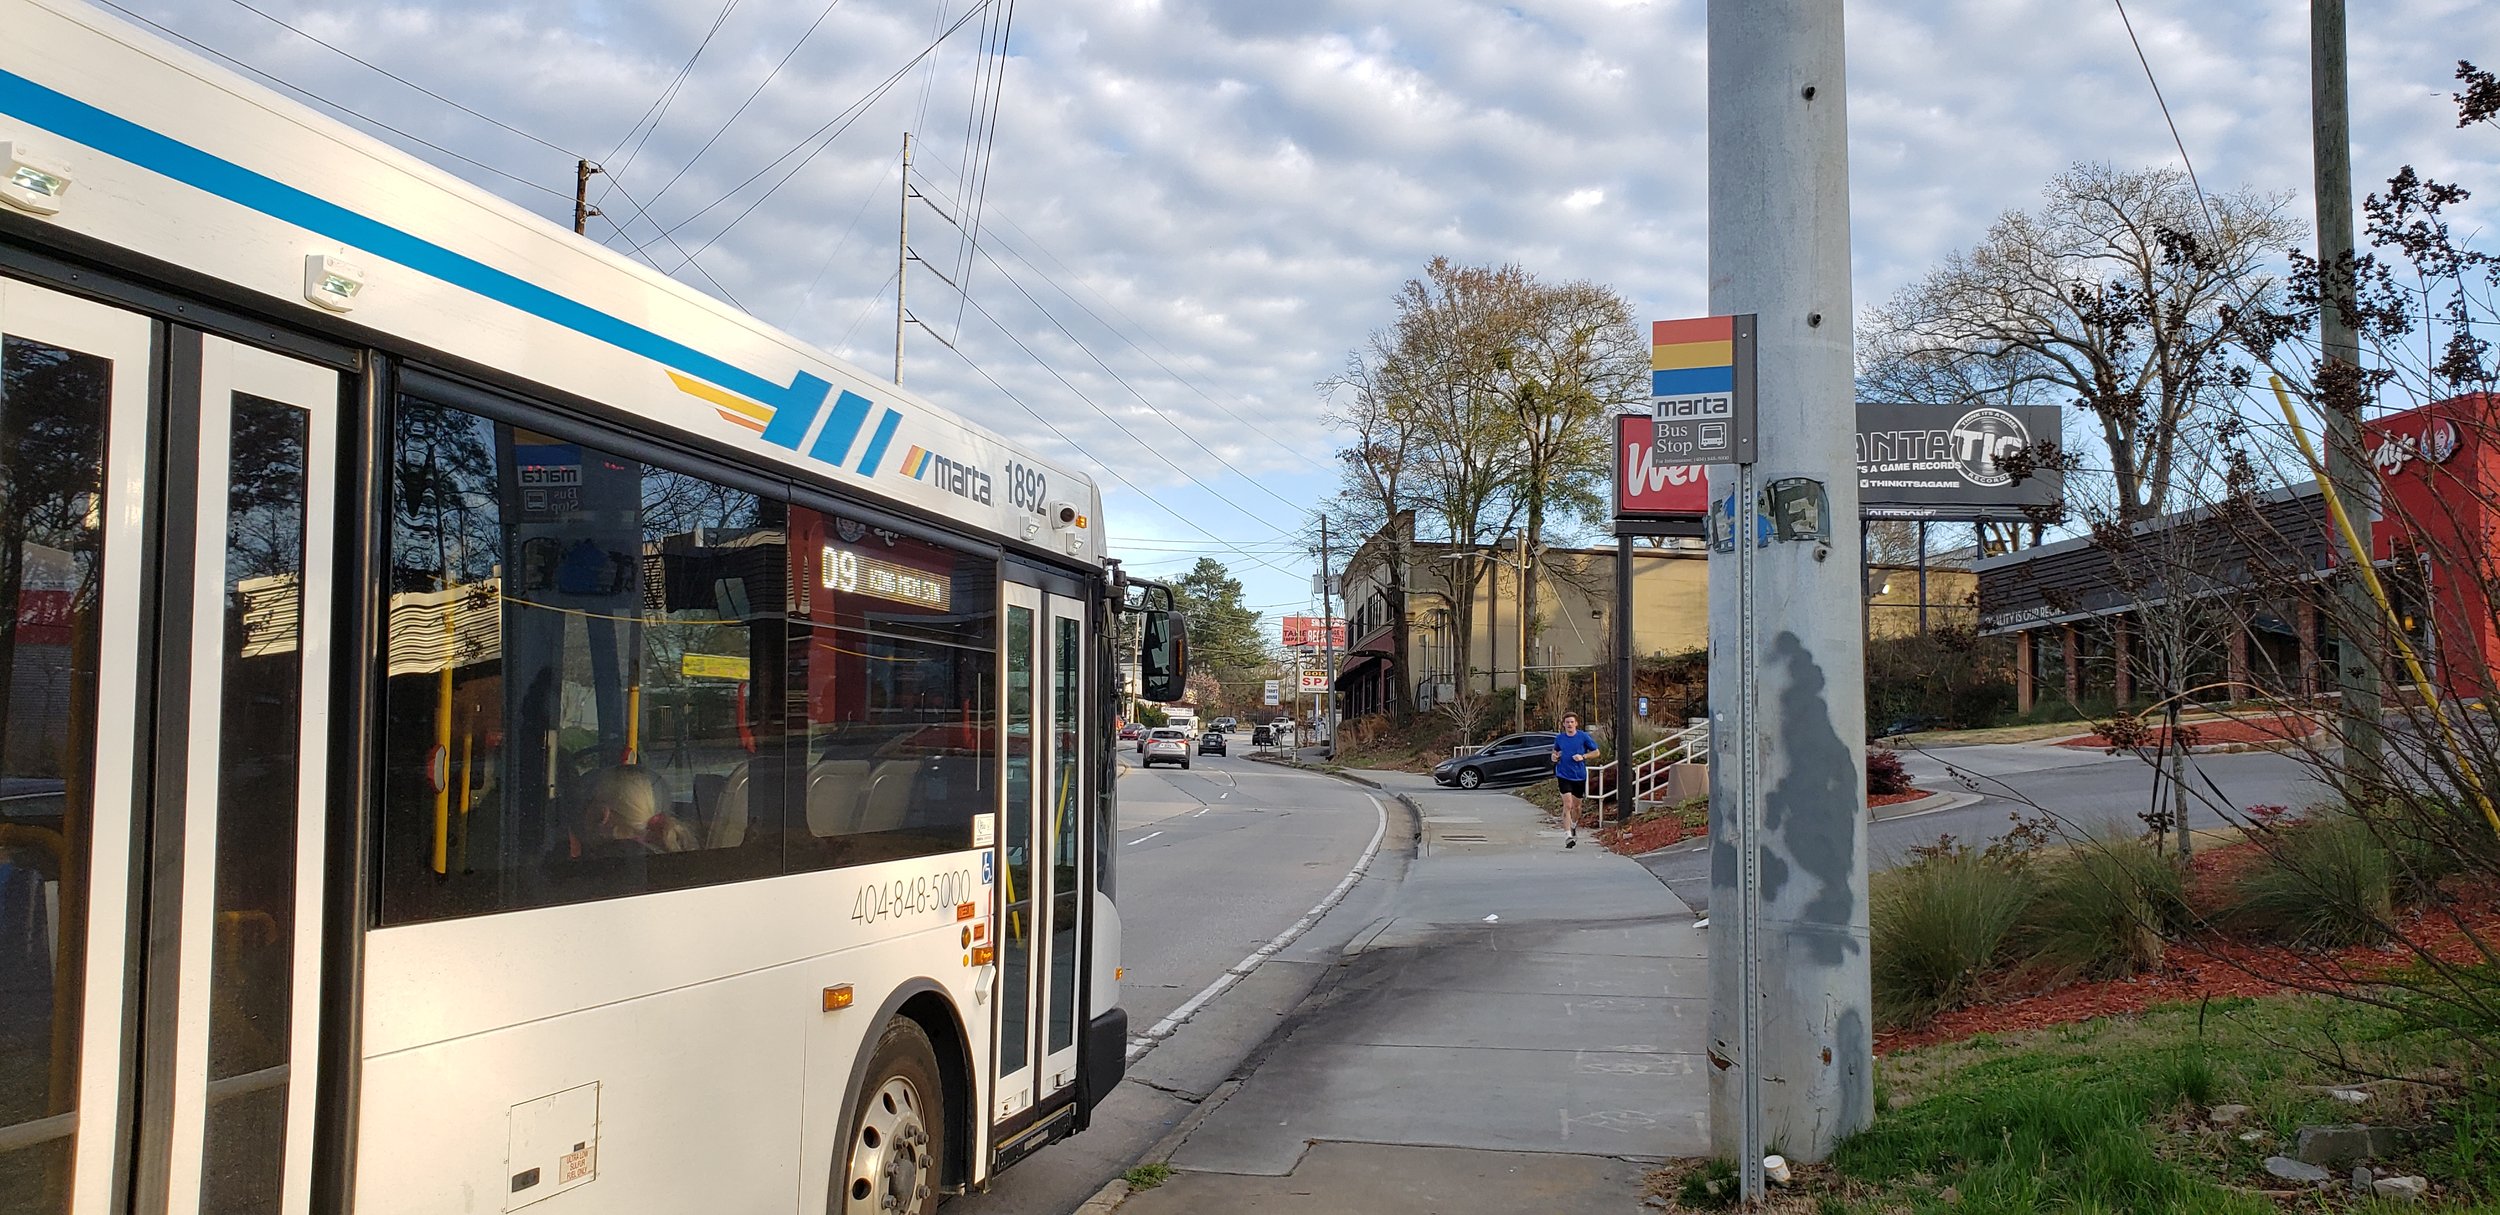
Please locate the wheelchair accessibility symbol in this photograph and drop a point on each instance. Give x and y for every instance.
(989, 868)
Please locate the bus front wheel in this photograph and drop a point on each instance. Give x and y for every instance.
(897, 1145)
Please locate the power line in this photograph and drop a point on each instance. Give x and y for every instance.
(281, 23)
(1166, 418)
(758, 91)
(2201, 205)
(345, 113)
(1107, 416)
(1108, 471)
(832, 130)
(658, 109)
(1133, 343)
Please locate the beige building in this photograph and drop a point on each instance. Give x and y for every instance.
(1574, 613)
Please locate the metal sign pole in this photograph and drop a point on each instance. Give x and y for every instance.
(1748, 838)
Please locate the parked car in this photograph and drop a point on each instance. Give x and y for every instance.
(1212, 743)
(1263, 736)
(1508, 760)
(1163, 744)
(1132, 731)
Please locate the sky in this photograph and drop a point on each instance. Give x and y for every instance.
(1188, 212)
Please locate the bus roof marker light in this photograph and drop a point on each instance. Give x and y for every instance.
(29, 182)
(332, 282)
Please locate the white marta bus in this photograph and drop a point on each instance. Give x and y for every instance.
(485, 727)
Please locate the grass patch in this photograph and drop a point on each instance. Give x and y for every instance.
(2104, 907)
(1938, 925)
(1712, 1187)
(2328, 881)
(1147, 1176)
(2109, 1115)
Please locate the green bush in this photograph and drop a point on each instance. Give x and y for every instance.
(2105, 906)
(1939, 925)
(2325, 881)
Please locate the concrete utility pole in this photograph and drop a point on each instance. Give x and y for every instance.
(583, 171)
(902, 258)
(1328, 641)
(2356, 667)
(1779, 248)
(1519, 549)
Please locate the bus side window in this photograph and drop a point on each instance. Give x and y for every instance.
(580, 690)
(895, 660)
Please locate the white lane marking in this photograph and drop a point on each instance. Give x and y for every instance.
(1202, 812)
(1143, 838)
(1163, 1029)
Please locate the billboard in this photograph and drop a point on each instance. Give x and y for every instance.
(1645, 489)
(1942, 462)
(1303, 631)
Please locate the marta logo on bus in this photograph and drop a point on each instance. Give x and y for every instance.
(955, 477)
(1981, 438)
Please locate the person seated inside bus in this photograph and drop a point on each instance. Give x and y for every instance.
(625, 812)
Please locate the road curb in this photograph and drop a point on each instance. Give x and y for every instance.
(1930, 804)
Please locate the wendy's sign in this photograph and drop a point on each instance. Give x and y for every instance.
(1645, 489)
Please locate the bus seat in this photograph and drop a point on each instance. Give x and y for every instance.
(834, 787)
(888, 804)
(720, 808)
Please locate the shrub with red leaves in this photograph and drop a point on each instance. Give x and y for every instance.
(1884, 774)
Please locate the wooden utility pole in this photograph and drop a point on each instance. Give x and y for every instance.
(583, 171)
(902, 258)
(2338, 389)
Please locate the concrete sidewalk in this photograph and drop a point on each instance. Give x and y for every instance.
(1520, 1028)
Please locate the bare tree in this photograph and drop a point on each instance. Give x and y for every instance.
(2114, 296)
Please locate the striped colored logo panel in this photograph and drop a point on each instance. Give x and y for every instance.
(1690, 380)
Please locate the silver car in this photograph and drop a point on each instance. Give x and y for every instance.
(1165, 744)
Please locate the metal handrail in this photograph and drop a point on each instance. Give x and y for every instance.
(1649, 766)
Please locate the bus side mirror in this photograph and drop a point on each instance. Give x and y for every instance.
(1164, 657)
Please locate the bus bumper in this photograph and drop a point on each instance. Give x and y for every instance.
(1106, 1057)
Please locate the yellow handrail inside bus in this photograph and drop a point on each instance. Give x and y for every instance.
(442, 739)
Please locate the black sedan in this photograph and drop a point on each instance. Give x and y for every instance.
(1212, 743)
(1509, 760)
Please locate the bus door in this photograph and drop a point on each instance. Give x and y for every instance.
(1042, 847)
(164, 646)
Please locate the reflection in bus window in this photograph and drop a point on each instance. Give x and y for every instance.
(52, 414)
(585, 673)
(896, 655)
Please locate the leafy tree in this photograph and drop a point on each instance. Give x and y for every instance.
(1224, 636)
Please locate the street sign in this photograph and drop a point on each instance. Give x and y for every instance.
(1306, 631)
(1644, 708)
(1701, 388)
(1275, 692)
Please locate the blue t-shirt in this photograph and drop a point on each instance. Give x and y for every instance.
(1573, 746)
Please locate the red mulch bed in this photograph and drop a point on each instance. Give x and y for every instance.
(2278, 728)
(2216, 965)
(1654, 833)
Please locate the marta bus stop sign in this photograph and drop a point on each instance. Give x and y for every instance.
(1701, 390)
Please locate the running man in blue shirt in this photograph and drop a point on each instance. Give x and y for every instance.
(1572, 747)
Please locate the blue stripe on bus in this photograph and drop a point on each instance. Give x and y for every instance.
(867, 465)
(119, 137)
(850, 412)
(1691, 380)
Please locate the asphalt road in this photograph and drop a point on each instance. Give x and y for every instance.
(1213, 862)
(2081, 789)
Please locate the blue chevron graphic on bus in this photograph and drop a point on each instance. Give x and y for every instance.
(847, 417)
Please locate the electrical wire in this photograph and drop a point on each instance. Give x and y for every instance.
(658, 109)
(344, 112)
(1108, 471)
(758, 91)
(2201, 204)
(1122, 427)
(490, 119)
(823, 136)
(1116, 331)
(1122, 381)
